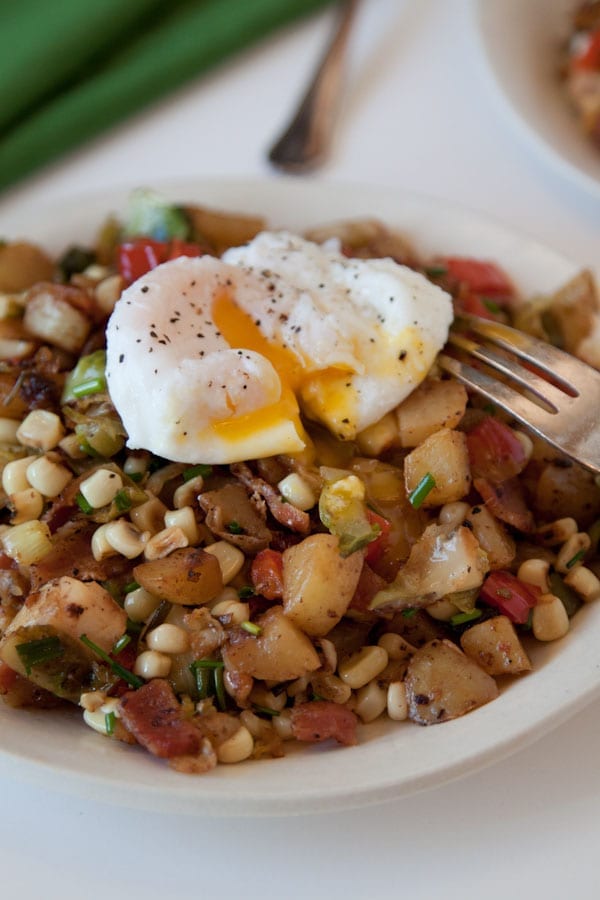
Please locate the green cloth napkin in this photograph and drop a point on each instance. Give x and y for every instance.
(71, 68)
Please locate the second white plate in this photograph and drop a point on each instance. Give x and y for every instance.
(520, 42)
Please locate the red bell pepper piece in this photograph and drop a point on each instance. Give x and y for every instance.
(140, 255)
(375, 550)
(588, 58)
(266, 574)
(481, 277)
(512, 597)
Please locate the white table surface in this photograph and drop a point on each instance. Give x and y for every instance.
(419, 115)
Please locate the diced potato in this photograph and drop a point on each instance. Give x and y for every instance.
(73, 607)
(567, 491)
(21, 265)
(281, 652)
(440, 563)
(495, 646)
(318, 583)
(492, 536)
(443, 683)
(50, 317)
(223, 229)
(63, 609)
(432, 406)
(443, 455)
(189, 576)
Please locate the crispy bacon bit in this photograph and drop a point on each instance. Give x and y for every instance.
(71, 554)
(506, 502)
(231, 515)
(495, 452)
(284, 513)
(320, 720)
(153, 715)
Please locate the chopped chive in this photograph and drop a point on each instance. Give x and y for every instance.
(89, 387)
(82, 503)
(195, 471)
(205, 673)
(136, 476)
(235, 528)
(464, 617)
(131, 586)
(409, 613)
(491, 305)
(109, 722)
(219, 687)
(251, 628)
(121, 644)
(575, 559)
(265, 710)
(34, 653)
(435, 271)
(132, 680)
(122, 501)
(417, 497)
(246, 591)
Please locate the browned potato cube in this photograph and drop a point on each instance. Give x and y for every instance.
(318, 583)
(495, 646)
(432, 406)
(444, 455)
(492, 536)
(190, 576)
(280, 652)
(443, 683)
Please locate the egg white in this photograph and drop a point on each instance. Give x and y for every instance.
(210, 360)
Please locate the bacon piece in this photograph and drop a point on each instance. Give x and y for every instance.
(72, 555)
(320, 720)
(495, 451)
(153, 715)
(231, 516)
(285, 513)
(506, 502)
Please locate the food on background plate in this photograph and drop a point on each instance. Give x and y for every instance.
(241, 504)
(580, 67)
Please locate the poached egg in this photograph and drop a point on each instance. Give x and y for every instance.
(213, 360)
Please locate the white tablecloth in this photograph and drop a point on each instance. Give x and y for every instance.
(419, 115)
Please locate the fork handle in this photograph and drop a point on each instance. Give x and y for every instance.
(307, 138)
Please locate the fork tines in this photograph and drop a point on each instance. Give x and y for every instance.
(550, 392)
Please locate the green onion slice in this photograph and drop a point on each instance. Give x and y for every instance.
(132, 680)
(265, 710)
(82, 503)
(34, 653)
(417, 497)
(464, 617)
(195, 471)
(109, 722)
(235, 528)
(121, 644)
(575, 559)
(251, 628)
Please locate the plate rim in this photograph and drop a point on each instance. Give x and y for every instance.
(201, 797)
(559, 162)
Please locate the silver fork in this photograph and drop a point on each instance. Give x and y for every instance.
(559, 401)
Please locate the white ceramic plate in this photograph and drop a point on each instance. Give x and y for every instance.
(57, 750)
(520, 42)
